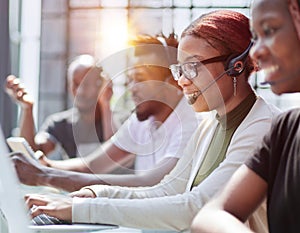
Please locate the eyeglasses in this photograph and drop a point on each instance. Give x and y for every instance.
(190, 69)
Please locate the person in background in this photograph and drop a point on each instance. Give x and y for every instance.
(274, 170)
(78, 130)
(213, 72)
(156, 132)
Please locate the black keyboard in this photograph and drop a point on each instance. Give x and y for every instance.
(44, 219)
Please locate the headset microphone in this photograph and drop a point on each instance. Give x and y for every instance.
(278, 81)
(272, 83)
(268, 82)
(200, 92)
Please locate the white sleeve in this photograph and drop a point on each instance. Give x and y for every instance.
(173, 183)
(174, 212)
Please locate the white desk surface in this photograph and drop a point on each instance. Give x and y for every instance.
(121, 230)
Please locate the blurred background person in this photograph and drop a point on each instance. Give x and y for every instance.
(78, 130)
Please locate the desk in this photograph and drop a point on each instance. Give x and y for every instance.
(121, 230)
(133, 230)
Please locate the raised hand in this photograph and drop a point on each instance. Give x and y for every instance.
(16, 90)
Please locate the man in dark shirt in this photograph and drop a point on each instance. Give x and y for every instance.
(80, 129)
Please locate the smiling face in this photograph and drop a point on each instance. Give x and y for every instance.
(277, 47)
(202, 92)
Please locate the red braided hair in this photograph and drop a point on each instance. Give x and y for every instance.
(225, 30)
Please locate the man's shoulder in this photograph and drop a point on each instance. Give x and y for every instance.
(289, 117)
(292, 113)
(66, 116)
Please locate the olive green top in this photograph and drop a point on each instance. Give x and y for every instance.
(226, 127)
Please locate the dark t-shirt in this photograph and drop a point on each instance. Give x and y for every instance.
(66, 129)
(278, 162)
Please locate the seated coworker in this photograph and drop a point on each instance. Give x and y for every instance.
(78, 130)
(155, 132)
(219, 146)
(274, 170)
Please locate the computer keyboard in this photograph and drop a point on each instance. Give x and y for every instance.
(44, 219)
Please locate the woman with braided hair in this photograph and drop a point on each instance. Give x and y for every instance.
(213, 72)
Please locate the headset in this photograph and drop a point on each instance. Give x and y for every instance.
(236, 65)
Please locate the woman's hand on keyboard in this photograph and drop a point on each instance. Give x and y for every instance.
(53, 205)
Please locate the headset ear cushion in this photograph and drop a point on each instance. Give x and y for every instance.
(234, 65)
